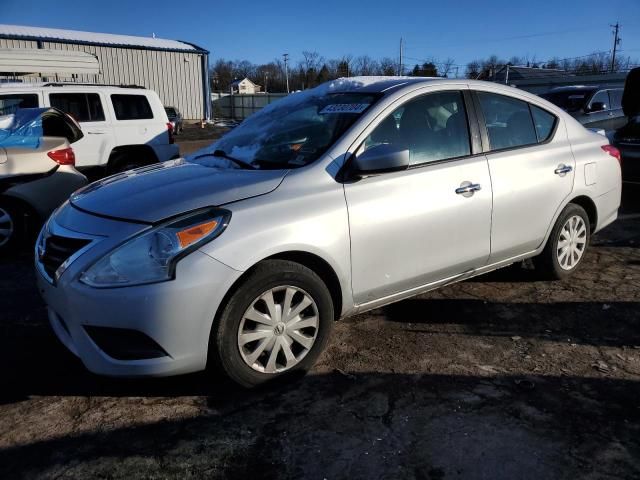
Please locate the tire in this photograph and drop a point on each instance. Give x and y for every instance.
(13, 227)
(280, 279)
(123, 161)
(555, 262)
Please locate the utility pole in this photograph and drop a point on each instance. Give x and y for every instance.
(286, 69)
(616, 42)
(400, 67)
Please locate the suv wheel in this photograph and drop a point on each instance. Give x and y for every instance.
(277, 322)
(567, 244)
(123, 161)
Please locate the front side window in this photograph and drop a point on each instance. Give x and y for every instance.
(432, 127)
(601, 97)
(508, 120)
(131, 107)
(11, 102)
(292, 132)
(83, 107)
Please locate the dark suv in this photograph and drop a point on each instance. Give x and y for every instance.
(627, 138)
(594, 107)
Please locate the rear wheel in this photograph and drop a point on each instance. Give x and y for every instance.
(276, 323)
(567, 244)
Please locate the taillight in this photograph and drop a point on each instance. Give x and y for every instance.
(613, 151)
(63, 156)
(170, 130)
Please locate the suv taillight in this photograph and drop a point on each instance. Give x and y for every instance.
(170, 130)
(63, 156)
(613, 151)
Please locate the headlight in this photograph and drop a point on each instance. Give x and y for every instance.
(152, 256)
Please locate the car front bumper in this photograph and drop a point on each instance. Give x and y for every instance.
(176, 315)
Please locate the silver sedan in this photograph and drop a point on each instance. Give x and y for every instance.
(328, 203)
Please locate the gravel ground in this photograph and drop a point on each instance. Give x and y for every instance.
(501, 377)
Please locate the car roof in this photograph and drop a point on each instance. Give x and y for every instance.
(589, 88)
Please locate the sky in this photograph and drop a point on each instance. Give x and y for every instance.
(260, 31)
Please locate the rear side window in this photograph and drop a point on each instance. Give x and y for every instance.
(10, 103)
(544, 123)
(83, 107)
(615, 97)
(508, 121)
(131, 107)
(432, 127)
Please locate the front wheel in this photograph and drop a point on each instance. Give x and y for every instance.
(12, 226)
(567, 244)
(277, 322)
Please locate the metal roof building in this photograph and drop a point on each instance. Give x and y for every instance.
(176, 70)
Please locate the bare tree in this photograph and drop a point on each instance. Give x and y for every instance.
(446, 66)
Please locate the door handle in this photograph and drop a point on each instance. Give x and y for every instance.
(95, 132)
(562, 170)
(467, 189)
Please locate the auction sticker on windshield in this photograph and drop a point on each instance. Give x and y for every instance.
(344, 108)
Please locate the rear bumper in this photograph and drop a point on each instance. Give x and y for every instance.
(166, 152)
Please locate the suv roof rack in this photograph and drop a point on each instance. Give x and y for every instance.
(72, 84)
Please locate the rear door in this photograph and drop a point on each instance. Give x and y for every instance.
(532, 170)
(415, 227)
(87, 109)
(136, 122)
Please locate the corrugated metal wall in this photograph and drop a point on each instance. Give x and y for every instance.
(175, 76)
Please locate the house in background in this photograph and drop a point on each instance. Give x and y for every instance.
(244, 86)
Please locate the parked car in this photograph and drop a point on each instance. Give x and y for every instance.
(594, 107)
(37, 171)
(330, 202)
(125, 127)
(627, 138)
(175, 118)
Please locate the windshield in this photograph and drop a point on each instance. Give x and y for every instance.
(569, 100)
(292, 132)
(171, 112)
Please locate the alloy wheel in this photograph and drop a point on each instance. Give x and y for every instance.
(278, 329)
(6, 227)
(572, 242)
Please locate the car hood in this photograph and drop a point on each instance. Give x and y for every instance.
(154, 193)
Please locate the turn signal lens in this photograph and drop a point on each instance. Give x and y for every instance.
(613, 151)
(191, 235)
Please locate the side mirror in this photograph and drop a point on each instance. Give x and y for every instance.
(596, 107)
(380, 159)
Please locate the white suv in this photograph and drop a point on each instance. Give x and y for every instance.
(124, 127)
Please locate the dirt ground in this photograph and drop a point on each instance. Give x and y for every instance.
(502, 377)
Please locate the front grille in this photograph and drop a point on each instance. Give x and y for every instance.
(57, 250)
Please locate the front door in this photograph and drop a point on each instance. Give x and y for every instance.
(430, 222)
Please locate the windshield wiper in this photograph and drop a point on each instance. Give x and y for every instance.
(221, 154)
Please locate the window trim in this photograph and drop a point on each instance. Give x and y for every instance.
(472, 128)
(485, 132)
(115, 112)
